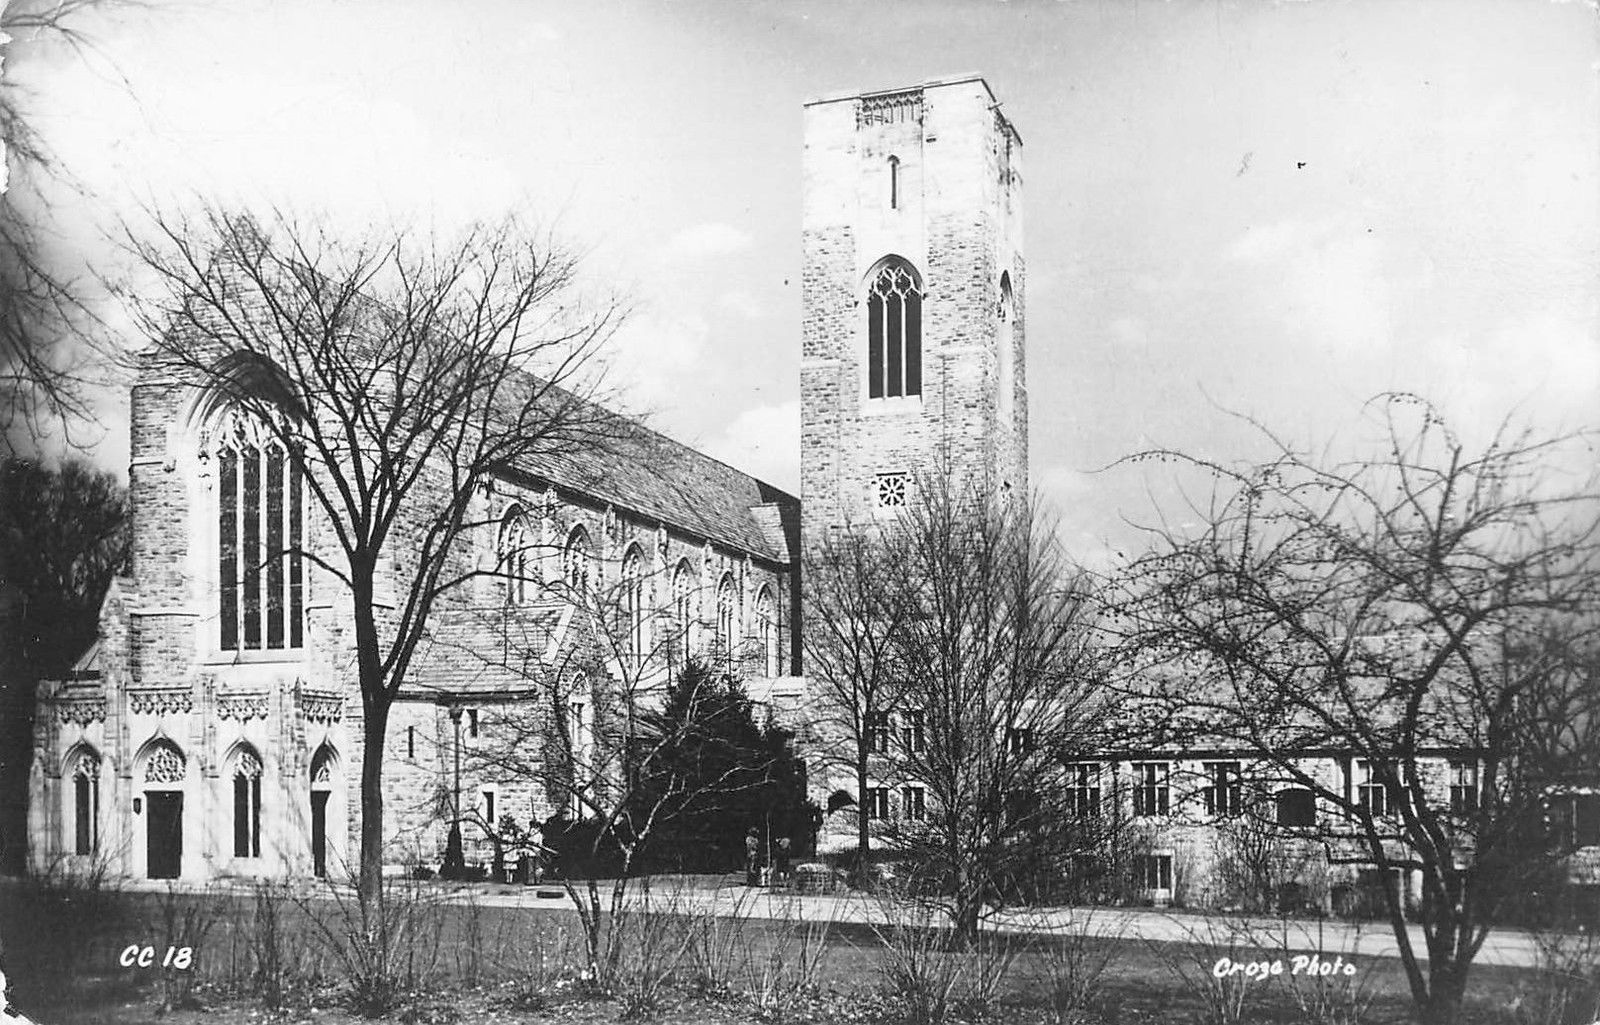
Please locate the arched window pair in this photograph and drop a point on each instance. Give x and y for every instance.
(894, 330)
(683, 610)
(515, 545)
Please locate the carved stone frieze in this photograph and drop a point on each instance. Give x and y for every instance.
(81, 710)
(160, 700)
(321, 705)
(242, 706)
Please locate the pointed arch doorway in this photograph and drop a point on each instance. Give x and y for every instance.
(165, 770)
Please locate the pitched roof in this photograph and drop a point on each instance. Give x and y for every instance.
(498, 650)
(660, 479)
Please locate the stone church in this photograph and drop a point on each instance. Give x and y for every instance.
(213, 728)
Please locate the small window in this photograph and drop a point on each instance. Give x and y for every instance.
(488, 808)
(472, 723)
(877, 802)
(914, 803)
(1463, 787)
(1377, 791)
(913, 730)
(411, 741)
(1083, 789)
(889, 491)
(1296, 806)
(1153, 871)
(894, 183)
(1019, 740)
(1152, 788)
(1224, 796)
(878, 733)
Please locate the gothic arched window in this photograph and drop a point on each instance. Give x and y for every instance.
(86, 802)
(683, 604)
(767, 630)
(246, 804)
(894, 183)
(576, 561)
(1005, 339)
(894, 331)
(260, 523)
(513, 551)
(725, 614)
(633, 603)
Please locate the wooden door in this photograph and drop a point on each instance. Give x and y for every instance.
(164, 834)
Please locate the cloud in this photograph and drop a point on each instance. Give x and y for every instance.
(1329, 279)
(713, 238)
(741, 304)
(650, 357)
(763, 442)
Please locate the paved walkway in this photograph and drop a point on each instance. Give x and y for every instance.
(1236, 936)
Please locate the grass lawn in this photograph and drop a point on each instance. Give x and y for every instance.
(465, 962)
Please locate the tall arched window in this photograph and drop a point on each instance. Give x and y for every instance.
(260, 521)
(85, 802)
(894, 183)
(513, 550)
(726, 603)
(633, 603)
(576, 561)
(683, 605)
(767, 630)
(246, 804)
(894, 331)
(1005, 340)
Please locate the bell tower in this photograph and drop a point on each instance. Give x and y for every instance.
(913, 288)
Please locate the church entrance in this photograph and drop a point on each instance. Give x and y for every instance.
(164, 834)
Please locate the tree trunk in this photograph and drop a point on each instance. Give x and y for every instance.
(1446, 987)
(863, 873)
(374, 728)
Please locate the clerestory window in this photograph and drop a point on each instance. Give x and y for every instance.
(894, 331)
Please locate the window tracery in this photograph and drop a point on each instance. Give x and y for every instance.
(514, 543)
(86, 803)
(165, 765)
(260, 526)
(247, 805)
(894, 331)
(634, 603)
(576, 561)
(767, 631)
(726, 607)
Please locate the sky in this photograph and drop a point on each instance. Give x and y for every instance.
(1270, 209)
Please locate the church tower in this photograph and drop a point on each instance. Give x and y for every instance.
(913, 287)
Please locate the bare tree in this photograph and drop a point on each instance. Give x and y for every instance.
(854, 606)
(398, 375)
(50, 350)
(596, 731)
(1410, 637)
(993, 653)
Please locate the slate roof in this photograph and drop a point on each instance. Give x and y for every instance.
(496, 650)
(647, 473)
